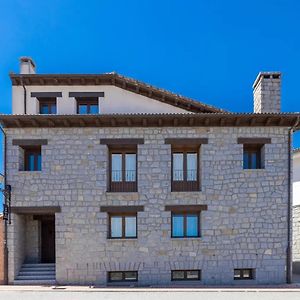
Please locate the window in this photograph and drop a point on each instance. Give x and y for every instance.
(47, 106)
(243, 274)
(185, 175)
(252, 158)
(122, 276)
(87, 105)
(185, 225)
(123, 171)
(32, 158)
(185, 275)
(122, 226)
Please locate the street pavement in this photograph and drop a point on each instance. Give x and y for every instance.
(86, 293)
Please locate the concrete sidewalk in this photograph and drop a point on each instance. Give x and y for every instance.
(86, 293)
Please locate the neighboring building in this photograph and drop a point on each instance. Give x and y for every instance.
(1, 250)
(117, 182)
(296, 210)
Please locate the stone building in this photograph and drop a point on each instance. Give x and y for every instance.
(115, 182)
(296, 211)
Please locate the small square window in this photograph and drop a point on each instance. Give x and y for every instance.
(87, 105)
(122, 226)
(47, 106)
(185, 275)
(243, 274)
(185, 225)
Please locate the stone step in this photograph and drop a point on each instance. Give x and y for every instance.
(36, 272)
(35, 277)
(38, 268)
(35, 282)
(38, 265)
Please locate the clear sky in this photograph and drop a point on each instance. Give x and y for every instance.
(207, 50)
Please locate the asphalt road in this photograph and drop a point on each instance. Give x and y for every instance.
(149, 294)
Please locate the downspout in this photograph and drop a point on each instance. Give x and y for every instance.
(5, 222)
(289, 215)
(25, 96)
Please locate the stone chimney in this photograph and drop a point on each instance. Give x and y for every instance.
(267, 92)
(27, 65)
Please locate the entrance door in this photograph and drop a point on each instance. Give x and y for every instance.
(48, 240)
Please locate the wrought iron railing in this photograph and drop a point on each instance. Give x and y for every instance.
(185, 180)
(123, 181)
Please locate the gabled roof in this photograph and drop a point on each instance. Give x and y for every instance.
(117, 80)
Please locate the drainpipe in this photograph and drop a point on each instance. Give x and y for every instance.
(5, 221)
(25, 97)
(289, 215)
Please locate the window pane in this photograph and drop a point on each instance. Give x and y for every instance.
(130, 276)
(254, 160)
(191, 166)
(115, 276)
(246, 160)
(130, 226)
(246, 273)
(192, 225)
(130, 167)
(82, 109)
(44, 109)
(116, 167)
(192, 275)
(31, 162)
(39, 162)
(178, 275)
(177, 166)
(116, 226)
(177, 225)
(94, 109)
(237, 273)
(53, 109)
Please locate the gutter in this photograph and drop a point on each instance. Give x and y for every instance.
(289, 212)
(5, 221)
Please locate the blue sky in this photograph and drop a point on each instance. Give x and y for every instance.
(208, 50)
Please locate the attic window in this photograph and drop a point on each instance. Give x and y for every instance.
(87, 105)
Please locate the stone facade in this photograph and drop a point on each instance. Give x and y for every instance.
(245, 225)
(296, 239)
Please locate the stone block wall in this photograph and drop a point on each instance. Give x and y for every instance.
(296, 239)
(33, 240)
(244, 227)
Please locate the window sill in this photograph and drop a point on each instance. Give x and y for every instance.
(199, 191)
(121, 193)
(122, 239)
(29, 172)
(186, 238)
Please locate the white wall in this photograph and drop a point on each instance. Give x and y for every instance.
(115, 100)
(296, 178)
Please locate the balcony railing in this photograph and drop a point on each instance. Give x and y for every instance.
(123, 181)
(185, 180)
